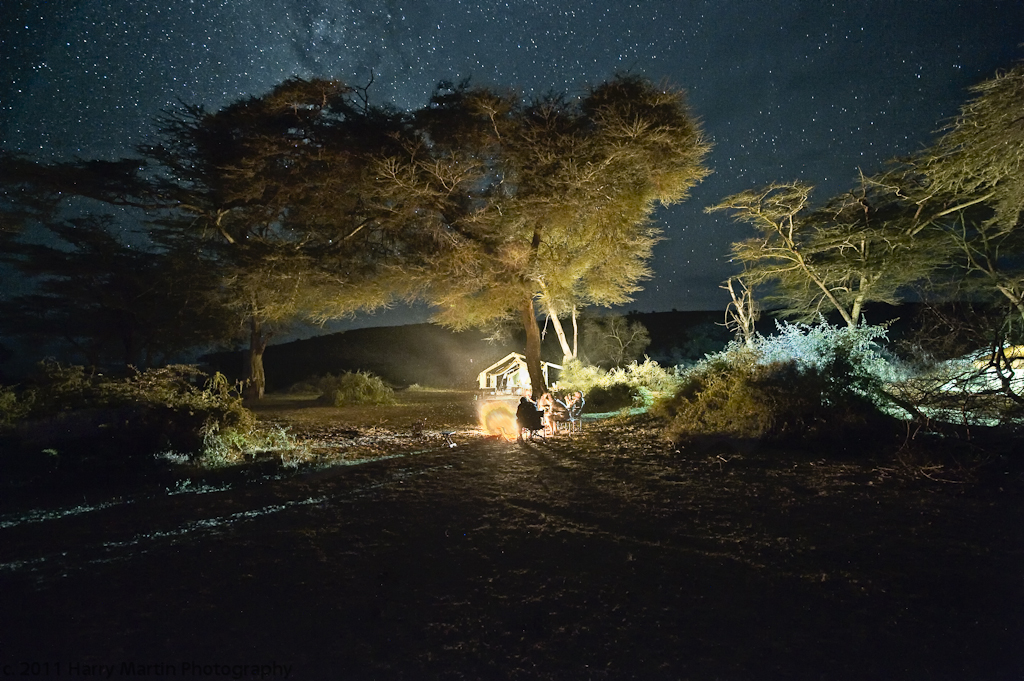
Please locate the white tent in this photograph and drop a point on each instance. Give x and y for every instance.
(510, 373)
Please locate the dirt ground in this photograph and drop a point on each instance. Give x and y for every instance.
(601, 555)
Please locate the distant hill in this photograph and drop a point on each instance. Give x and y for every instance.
(430, 355)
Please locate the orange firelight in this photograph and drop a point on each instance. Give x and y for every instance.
(498, 418)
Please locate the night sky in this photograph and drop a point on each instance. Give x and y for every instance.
(786, 89)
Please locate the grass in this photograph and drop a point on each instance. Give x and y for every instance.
(325, 435)
(435, 409)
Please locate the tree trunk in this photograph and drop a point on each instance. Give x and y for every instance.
(575, 334)
(256, 384)
(567, 352)
(1016, 300)
(533, 362)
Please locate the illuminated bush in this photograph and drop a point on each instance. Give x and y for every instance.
(12, 408)
(807, 383)
(632, 385)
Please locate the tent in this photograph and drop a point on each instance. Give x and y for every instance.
(509, 374)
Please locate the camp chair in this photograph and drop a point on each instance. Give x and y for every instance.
(534, 425)
(574, 417)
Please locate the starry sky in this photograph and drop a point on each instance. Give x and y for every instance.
(786, 89)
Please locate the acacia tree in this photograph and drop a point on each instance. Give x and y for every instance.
(860, 247)
(970, 184)
(547, 201)
(271, 187)
(614, 341)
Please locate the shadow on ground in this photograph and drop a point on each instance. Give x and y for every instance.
(605, 555)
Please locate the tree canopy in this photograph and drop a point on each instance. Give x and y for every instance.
(545, 201)
(272, 187)
(862, 246)
(970, 183)
(309, 202)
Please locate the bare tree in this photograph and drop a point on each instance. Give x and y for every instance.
(614, 341)
(860, 247)
(742, 313)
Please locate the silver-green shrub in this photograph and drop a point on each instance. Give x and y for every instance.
(803, 383)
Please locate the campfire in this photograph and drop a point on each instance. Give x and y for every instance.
(498, 419)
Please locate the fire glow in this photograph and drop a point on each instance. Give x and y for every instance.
(498, 419)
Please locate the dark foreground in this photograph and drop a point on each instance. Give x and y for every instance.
(603, 557)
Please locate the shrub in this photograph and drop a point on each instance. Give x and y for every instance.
(12, 409)
(804, 384)
(611, 397)
(173, 408)
(354, 388)
(642, 381)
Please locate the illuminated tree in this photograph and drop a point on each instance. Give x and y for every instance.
(971, 185)
(271, 187)
(543, 202)
(862, 246)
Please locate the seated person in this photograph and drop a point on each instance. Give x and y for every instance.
(574, 408)
(546, 404)
(576, 403)
(560, 410)
(528, 417)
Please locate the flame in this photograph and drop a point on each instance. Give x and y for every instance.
(499, 418)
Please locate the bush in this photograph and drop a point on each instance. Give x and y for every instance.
(641, 381)
(804, 384)
(354, 388)
(12, 409)
(611, 397)
(175, 408)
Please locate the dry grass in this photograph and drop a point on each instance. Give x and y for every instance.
(325, 435)
(436, 409)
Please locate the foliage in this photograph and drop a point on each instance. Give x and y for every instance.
(273, 188)
(612, 397)
(12, 408)
(353, 388)
(860, 247)
(108, 300)
(309, 203)
(970, 186)
(633, 385)
(230, 447)
(177, 407)
(545, 201)
(804, 383)
(855, 350)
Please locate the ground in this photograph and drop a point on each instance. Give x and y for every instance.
(602, 555)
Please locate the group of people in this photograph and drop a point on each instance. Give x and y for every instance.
(542, 415)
